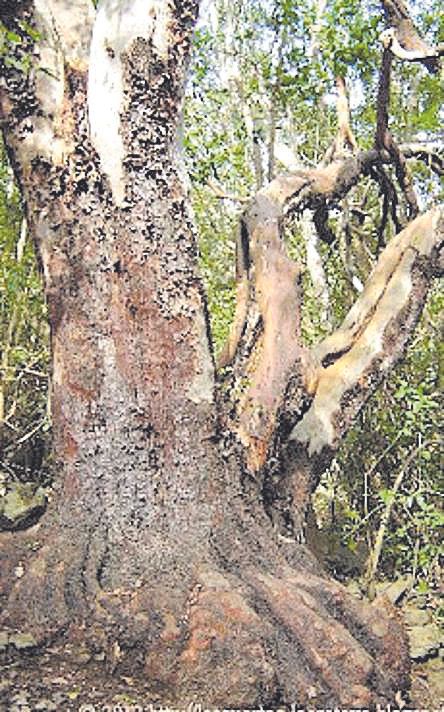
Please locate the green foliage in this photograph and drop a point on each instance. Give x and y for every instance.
(15, 46)
(23, 343)
(403, 417)
(217, 253)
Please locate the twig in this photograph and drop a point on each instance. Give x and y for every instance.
(32, 432)
(220, 193)
(375, 554)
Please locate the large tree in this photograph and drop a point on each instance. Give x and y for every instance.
(174, 540)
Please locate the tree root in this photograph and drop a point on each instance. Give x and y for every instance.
(225, 636)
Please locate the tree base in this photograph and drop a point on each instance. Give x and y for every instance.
(224, 637)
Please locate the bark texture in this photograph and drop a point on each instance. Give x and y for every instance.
(171, 542)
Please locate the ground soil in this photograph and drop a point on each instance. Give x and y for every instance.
(53, 681)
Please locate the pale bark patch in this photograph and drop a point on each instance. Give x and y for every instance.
(317, 428)
(118, 25)
(421, 234)
(363, 340)
(202, 387)
(72, 22)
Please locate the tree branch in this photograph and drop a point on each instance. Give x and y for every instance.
(385, 141)
(58, 47)
(402, 39)
(264, 341)
(347, 367)
(345, 139)
(263, 345)
(374, 334)
(430, 154)
(419, 54)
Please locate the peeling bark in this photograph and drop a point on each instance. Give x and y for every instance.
(354, 359)
(268, 354)
(117, 27)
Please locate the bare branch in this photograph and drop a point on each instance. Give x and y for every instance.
(345, 139)
(285, 195)
(383, 137)
(385, 141)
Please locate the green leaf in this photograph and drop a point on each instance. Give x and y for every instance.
(386, 495)
(13, 37)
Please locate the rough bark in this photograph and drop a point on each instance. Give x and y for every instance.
(158, 548)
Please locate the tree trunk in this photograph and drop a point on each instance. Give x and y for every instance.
(157, 547)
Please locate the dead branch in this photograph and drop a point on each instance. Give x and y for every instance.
(278, 297)
(291, 194)
(432, 155)
(286, 195)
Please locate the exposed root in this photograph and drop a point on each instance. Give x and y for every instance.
(228, 636)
